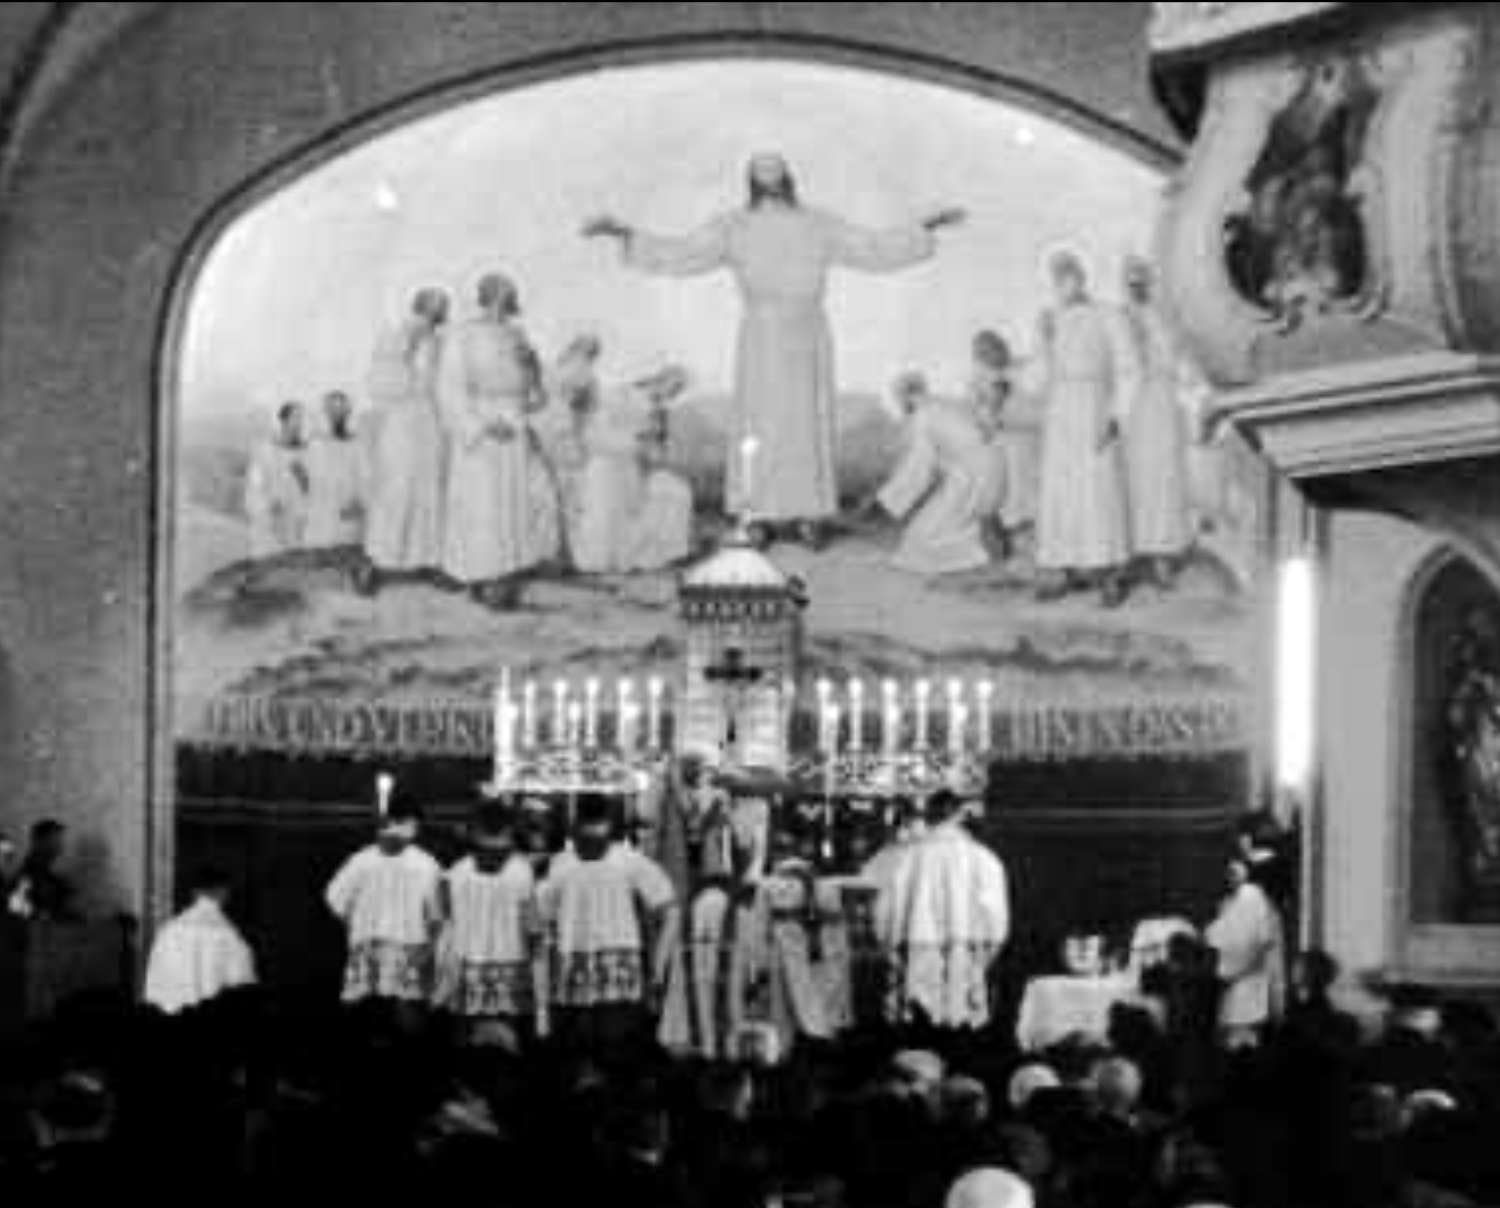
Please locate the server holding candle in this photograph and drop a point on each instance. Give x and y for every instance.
(387, 896)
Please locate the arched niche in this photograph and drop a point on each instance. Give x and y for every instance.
(1447, 843)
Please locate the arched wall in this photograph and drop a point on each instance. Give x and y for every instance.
(120, 179)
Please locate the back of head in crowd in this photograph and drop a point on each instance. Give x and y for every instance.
(943, 806)
(593, 825)
(401, 823)
(493, 836)
(210, 881)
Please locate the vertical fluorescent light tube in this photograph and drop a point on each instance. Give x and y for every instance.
(1296, 655)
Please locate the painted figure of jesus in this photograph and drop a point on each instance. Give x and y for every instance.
(780, 252)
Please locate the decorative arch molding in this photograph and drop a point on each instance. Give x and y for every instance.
(167, 260)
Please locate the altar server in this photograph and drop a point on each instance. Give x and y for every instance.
(485, 957)
(942, 914)
(198, 954)
(1247, 936)
(609, 917)
(387, 896)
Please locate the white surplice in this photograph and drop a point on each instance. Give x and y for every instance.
(1247, 937)
(390, 906)
(594, 913)
(335, 492)
(403, 528)
(276, 498)
(196, 956)
(630, 517)
(1092, 374)
(1156, 440)
(485, 953)
(942, 914)
(485, 379)
(785, 392)
(946, 485)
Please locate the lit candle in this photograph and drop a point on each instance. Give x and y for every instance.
(654, 736)
(591, 712)
(624, 702)
(504, 729)
(574, 725)
(833, 729)
(528, 715)
(958, 722)
(628, 718)
(560, 713)
(923, 692)
(986, 699)
(955, 703)
(890, 737)
(749, 447)
(856, 715)
(385, 783)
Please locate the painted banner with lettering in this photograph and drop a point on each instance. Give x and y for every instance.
(461, 729)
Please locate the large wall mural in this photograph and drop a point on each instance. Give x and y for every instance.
(469, 400)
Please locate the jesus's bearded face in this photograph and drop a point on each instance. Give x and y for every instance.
(771, 181)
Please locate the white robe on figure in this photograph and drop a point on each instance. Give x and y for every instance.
(276, 498)
(336, 474)
(942, 914)
(484, 376)
(1247, 937)
(947, 484)
(1092, 373)
(403, 527)
(630, 517)
(785, 392)
(197, 955)
(1156, 441)
(484, 963)
(390, 906)
(594, 913)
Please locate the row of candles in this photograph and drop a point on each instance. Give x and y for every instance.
(843, 714)
(834, 707)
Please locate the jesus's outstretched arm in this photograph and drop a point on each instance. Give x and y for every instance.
(700, 251)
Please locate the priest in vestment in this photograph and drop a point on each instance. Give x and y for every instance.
(1092, 372)
(947, 486)
(942, 915)
(199, 954)
(785, 396)
(489, 385)
(403, 525)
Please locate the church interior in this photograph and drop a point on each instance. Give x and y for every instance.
(957, 663)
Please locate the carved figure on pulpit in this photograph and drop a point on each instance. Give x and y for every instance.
(1298, 244)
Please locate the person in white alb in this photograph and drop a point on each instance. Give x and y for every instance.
(199, 953)
(1247, 937)
(942, 915)
(609, 917)
(387, 896)
(486, 971)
